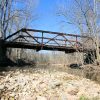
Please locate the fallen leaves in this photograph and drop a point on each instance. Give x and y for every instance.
(40, 84)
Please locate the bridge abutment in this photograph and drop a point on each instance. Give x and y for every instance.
(90, 57)
(3, 56)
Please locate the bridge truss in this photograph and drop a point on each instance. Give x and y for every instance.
(47, 40)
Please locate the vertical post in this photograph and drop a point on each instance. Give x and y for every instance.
(76, 42)
(42, 39)
(65, 43)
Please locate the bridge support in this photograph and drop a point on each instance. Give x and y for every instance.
(90, 57)
(2, 53)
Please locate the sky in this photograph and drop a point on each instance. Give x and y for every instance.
(48, 19)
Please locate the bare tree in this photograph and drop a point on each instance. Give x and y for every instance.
(14, 15)
(82, 15)
(5, 16)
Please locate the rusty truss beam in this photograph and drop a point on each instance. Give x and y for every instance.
(46, 40)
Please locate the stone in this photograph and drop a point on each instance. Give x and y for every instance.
(2, 87)
(40, 98)
(73, 92)
(55, 84)
(12, 95)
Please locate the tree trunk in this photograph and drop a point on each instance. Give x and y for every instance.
(97, 50)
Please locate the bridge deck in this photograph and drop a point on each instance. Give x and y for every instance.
(39, 47)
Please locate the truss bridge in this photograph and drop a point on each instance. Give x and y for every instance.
(47, 40)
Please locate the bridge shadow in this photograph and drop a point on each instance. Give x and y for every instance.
(19, 63)
(23, 63)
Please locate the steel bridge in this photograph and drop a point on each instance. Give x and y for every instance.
(47, 40)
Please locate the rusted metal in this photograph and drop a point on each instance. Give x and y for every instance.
(45, 40)
(34, 30)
